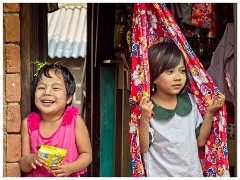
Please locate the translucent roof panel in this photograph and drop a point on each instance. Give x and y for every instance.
(67, 32)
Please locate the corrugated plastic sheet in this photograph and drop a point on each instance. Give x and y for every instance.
(67, 32)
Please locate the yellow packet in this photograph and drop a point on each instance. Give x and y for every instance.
(51, 155)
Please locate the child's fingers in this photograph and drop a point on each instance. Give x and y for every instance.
(141, 101)
(151, 106)
(221, 96)
(53, 168)
(219, 93)
(35, 163)
(42, 162)
(57, 171)
(144, 100)
(221, 99)
(217, 103)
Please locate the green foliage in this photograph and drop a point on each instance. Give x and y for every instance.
(40, 65)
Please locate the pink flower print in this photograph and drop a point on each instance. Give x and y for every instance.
(212, 157)
(136, 77)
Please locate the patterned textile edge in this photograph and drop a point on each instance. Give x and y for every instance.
(153, 23)
(140, 83)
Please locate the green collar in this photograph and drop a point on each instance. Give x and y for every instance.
(183, 108)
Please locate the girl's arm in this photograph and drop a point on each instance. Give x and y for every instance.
(207, 123)
(83, 146)
(146, 111)
(28, 161)
(84, 151)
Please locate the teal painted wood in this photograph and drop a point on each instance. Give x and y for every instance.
(107, 120)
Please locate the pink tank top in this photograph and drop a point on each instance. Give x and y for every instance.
(63, 137)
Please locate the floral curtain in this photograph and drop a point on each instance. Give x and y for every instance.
(153, 23)
(201, 14)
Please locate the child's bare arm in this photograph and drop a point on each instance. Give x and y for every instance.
(146, 111)
(83, 144)
(28, 161)
(207, 123)
(84, 151)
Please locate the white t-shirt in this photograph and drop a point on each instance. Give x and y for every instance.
(174, 151)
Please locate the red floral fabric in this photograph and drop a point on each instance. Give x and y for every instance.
(153, 23)
(201, 14)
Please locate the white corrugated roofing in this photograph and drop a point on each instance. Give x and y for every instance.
(67, 32)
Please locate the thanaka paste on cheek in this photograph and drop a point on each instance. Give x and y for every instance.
(49, 84)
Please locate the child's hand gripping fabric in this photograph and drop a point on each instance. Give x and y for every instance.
(216, 103)
(146, 107)
(205, 130)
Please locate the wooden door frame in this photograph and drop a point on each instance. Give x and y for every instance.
(100, 38)
(33, 18)
(92, 89)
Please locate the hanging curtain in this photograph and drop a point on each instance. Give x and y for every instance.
(153, 23)
(201, 14)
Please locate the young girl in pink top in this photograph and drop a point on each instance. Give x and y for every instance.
(57, 124)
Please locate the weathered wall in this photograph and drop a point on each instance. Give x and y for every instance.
(11, 90)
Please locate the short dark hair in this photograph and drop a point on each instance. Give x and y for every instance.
(67, 75)
(163, 56)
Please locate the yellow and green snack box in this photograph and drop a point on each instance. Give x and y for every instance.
(51, 155)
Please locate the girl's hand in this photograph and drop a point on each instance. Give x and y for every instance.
(36, 161)
(216, 103)
(146, 107)
(61, 170)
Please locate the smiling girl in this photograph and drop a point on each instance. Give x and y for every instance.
(58, 124)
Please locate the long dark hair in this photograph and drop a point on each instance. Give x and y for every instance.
(161, 57)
